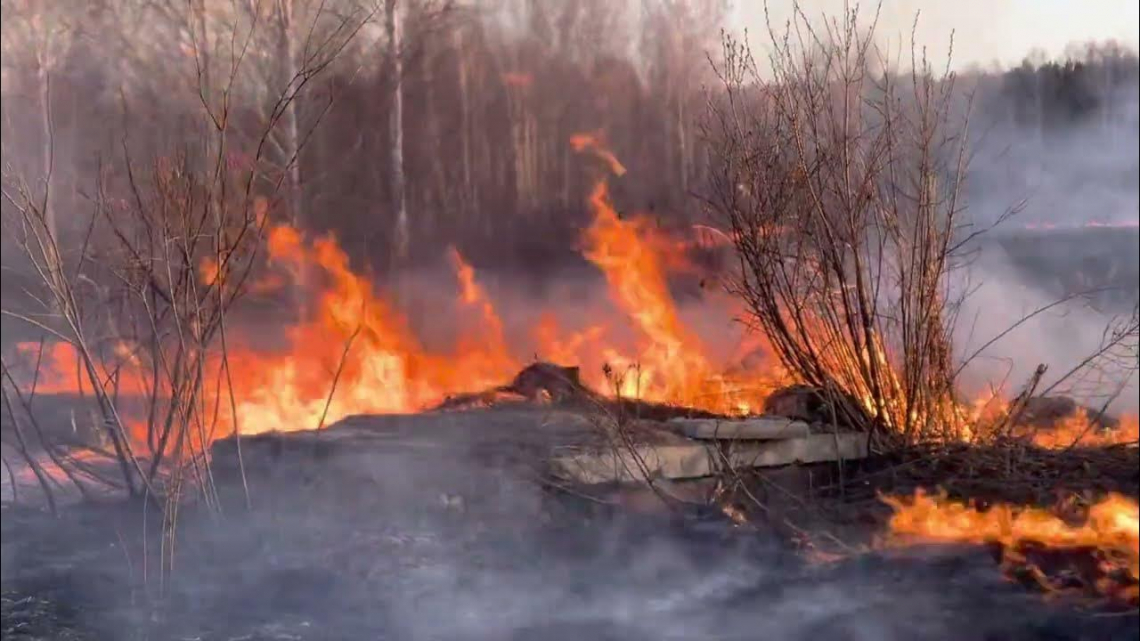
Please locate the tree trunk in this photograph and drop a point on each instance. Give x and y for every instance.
(466, 200)
(47, 152)
(291, 139)
(201, 38)
(396, 130)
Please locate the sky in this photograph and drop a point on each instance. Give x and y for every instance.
(986, 32)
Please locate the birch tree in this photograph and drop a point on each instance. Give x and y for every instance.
(38, 35)
(393, 30)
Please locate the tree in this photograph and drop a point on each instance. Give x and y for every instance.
(393, 29)
(40, 35)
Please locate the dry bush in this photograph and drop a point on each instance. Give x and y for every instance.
(142, 297)
(840, 172)
(841, 184)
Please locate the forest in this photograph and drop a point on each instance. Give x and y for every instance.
(418, 125)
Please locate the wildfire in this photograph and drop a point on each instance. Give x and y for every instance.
(1111, 532)
(1075, 429)
(356, 351)
(1078, 429)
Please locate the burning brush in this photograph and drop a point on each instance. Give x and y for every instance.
(1097, 552)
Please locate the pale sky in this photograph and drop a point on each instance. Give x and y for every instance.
(985, 31)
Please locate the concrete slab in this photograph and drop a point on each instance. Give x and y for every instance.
(696, 459)
(576, 447)
(761, 428)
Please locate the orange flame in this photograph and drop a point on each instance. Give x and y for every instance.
(1079, 430)
(358, 339)
(1112, 528)
(592, 142)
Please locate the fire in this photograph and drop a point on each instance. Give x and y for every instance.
(54, 368)
(592, 142)
(673, 366)
(386, 368)
(354, 350)
(517, 79)
(1111, 529)
(381, 365)
(1080, 430)
(1077, 429)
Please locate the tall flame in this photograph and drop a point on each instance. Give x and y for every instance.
(357, 352)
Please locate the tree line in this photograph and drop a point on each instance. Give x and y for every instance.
(436, 122)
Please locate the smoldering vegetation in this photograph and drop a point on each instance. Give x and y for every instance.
(357, 544)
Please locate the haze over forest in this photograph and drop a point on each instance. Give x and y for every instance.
(491, 93)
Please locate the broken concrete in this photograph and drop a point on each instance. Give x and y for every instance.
(571, 447)
(687, 459)
(762, 428)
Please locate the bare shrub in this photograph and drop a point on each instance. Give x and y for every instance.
(841, 180)
(142, 298)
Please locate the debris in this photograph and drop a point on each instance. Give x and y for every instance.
(756, 429)
(810, 404)
(558, 383)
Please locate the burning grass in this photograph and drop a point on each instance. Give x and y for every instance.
(1098, 553)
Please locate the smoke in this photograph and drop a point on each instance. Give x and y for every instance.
(1063, 270)
(1011, 322)
(1068, 174)
(404, 529)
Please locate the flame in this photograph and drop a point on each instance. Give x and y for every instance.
(592, 142)
(1079, 430)
(383, 366)
(57, 369)
(355, 351)
(1112, 529)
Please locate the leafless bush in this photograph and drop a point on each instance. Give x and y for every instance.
(841, 184)
(166, 252)
(840, 172)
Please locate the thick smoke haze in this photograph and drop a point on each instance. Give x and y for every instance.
(1069, 174)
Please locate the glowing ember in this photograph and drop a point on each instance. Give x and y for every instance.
(1111, 532)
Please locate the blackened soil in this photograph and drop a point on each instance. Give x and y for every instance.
(293, 570)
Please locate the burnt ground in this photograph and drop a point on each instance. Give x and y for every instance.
(374, 546)
(644, 580)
